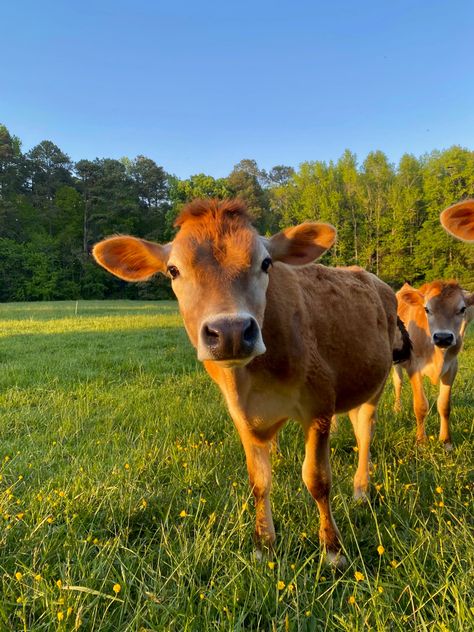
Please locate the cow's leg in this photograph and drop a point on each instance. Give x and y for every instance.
(420, 405)
(316, 474)
(354, 417)
(444, 406)
(364, 427)
(397, 377)
(257, 453)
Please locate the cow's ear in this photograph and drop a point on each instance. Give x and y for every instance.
(459, 220)
(409, 295)
(469, 299)
(301, 244)
(130, 258)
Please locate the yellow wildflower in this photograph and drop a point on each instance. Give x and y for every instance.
(38, 578)
(439, 490)
(380, 549)
(201, 596)
(117, 588)
(60, 615)
(18, 575)
(380, 589)
(359, 576)
(183, 514)
(271, 565)
(281, 585)
(351, 600)
(59, 583)
(394, 563)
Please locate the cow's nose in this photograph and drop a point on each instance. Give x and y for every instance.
(443, 339)
(230, 338)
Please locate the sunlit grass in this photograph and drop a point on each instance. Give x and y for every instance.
(124, 502)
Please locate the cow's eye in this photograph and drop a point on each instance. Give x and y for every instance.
(427, 310)
(173, 272)
(462, 310)
(266, 263)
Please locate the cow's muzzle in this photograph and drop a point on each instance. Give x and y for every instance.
(444, 339)
(232, 339)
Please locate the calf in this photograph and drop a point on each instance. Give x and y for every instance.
(435, 316)
(281, 336)
(459, 220)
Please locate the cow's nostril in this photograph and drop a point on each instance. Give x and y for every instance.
(250, 332)
(210, 333)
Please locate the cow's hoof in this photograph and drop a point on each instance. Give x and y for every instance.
(336, 560)
(361, 494)
(257, 555)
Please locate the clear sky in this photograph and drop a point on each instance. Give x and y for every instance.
(199, 85)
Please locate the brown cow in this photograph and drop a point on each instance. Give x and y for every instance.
(459, 220)
(281, 339)
(435, 316)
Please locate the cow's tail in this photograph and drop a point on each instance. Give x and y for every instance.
(402, 344)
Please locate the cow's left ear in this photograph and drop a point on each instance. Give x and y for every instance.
(469, 299)
(301, 244)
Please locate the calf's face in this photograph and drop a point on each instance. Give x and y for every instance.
(445, 305)
(219, 268)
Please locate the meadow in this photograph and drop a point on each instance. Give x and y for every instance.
(124, 501)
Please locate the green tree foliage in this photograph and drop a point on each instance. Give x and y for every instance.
(387, 216)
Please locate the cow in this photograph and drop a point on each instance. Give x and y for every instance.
(282, 336)
(436, 317)
(459, 220)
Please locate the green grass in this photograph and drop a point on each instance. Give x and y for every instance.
(119, 465)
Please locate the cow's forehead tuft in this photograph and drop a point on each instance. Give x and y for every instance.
(213, 213)
(442, 290)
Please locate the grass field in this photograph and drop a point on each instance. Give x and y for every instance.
(125, 503)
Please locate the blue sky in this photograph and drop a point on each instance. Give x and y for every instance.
(197, 86)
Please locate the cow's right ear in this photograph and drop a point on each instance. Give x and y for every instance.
(409, 295)
(130, 258)
(301, 244)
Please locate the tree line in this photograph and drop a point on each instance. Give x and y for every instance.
(52, 210)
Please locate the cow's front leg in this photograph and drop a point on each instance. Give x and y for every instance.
(317, 478)
(420, 405)
(444, 406)
(257, 453)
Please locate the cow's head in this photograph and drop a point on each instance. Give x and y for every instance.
(459, 220)
(219, 267)
(445, 305)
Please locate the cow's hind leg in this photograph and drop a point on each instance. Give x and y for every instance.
(397, 377)
(363, 420)
(317, 478)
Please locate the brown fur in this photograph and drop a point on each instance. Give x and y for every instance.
(329, 335)
(444, 300)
